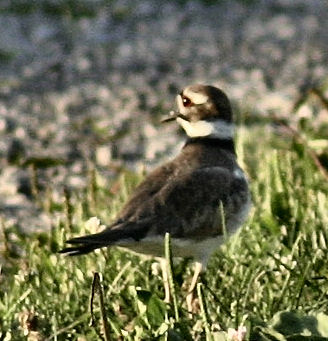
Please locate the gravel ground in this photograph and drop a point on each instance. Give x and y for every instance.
(73, 90)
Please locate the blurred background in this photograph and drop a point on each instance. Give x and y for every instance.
(86, 82)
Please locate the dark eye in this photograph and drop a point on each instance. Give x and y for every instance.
(186, 101)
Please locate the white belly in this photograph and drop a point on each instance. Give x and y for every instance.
(200, 250)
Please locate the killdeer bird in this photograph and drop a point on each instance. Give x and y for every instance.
(194, 197)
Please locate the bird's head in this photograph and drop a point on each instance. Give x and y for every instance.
(203, 110)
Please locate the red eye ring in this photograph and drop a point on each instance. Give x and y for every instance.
(186, 101)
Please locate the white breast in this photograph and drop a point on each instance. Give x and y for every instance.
(238, 173)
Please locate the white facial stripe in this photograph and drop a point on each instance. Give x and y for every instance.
(215, 129)
(195, 97)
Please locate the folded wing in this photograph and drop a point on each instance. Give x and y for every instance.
(165, 204)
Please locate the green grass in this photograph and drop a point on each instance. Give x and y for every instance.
(271, 277)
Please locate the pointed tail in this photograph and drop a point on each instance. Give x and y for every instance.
(129, 231)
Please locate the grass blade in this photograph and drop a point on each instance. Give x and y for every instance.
(96, 287)
(204, 312)
(169, 264)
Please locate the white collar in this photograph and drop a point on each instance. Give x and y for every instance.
(213, 129)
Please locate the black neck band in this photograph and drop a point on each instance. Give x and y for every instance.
(213, 142)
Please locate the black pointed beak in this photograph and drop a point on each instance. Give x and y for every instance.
(173, 115)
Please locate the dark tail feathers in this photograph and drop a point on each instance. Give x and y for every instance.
(108, 237)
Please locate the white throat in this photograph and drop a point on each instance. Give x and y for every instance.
(213, 129)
